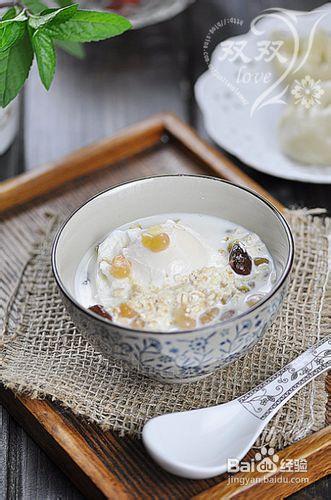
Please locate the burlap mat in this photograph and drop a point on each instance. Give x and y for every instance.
(44, 355)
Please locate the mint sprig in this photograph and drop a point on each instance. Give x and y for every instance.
(75, 49)
(32, 29)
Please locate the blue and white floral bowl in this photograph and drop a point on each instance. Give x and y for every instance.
(182, 356)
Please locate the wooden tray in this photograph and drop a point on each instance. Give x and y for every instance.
(101, 464)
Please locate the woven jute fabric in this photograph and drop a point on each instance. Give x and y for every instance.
(43, 354)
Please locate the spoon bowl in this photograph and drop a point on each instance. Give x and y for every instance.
(198, 444)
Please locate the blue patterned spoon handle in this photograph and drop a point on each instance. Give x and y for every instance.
(265, 400)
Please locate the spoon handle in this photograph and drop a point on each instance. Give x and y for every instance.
(265, 400)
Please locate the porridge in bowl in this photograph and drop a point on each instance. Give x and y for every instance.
(175, 272)
(179, 294)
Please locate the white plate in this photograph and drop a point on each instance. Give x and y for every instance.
(253, 139)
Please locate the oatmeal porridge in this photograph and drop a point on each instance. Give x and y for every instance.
(175, 272)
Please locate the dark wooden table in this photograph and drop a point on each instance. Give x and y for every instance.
(121, 82)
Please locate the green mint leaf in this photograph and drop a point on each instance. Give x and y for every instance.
(52, 15)
(11, 13)
(10, 33)
(90, 26)
(75, 49)
(15, 64)
(9, 17)
(35, 6)
(12, 28)
(45, 54)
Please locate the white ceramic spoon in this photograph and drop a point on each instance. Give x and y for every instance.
(197, 444)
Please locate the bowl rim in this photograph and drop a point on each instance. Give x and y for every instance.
(240, 316)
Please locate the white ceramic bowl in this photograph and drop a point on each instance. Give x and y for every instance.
(185, 355)
(145, 13)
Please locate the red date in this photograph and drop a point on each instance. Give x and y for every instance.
(101, 311)
(239, 260)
